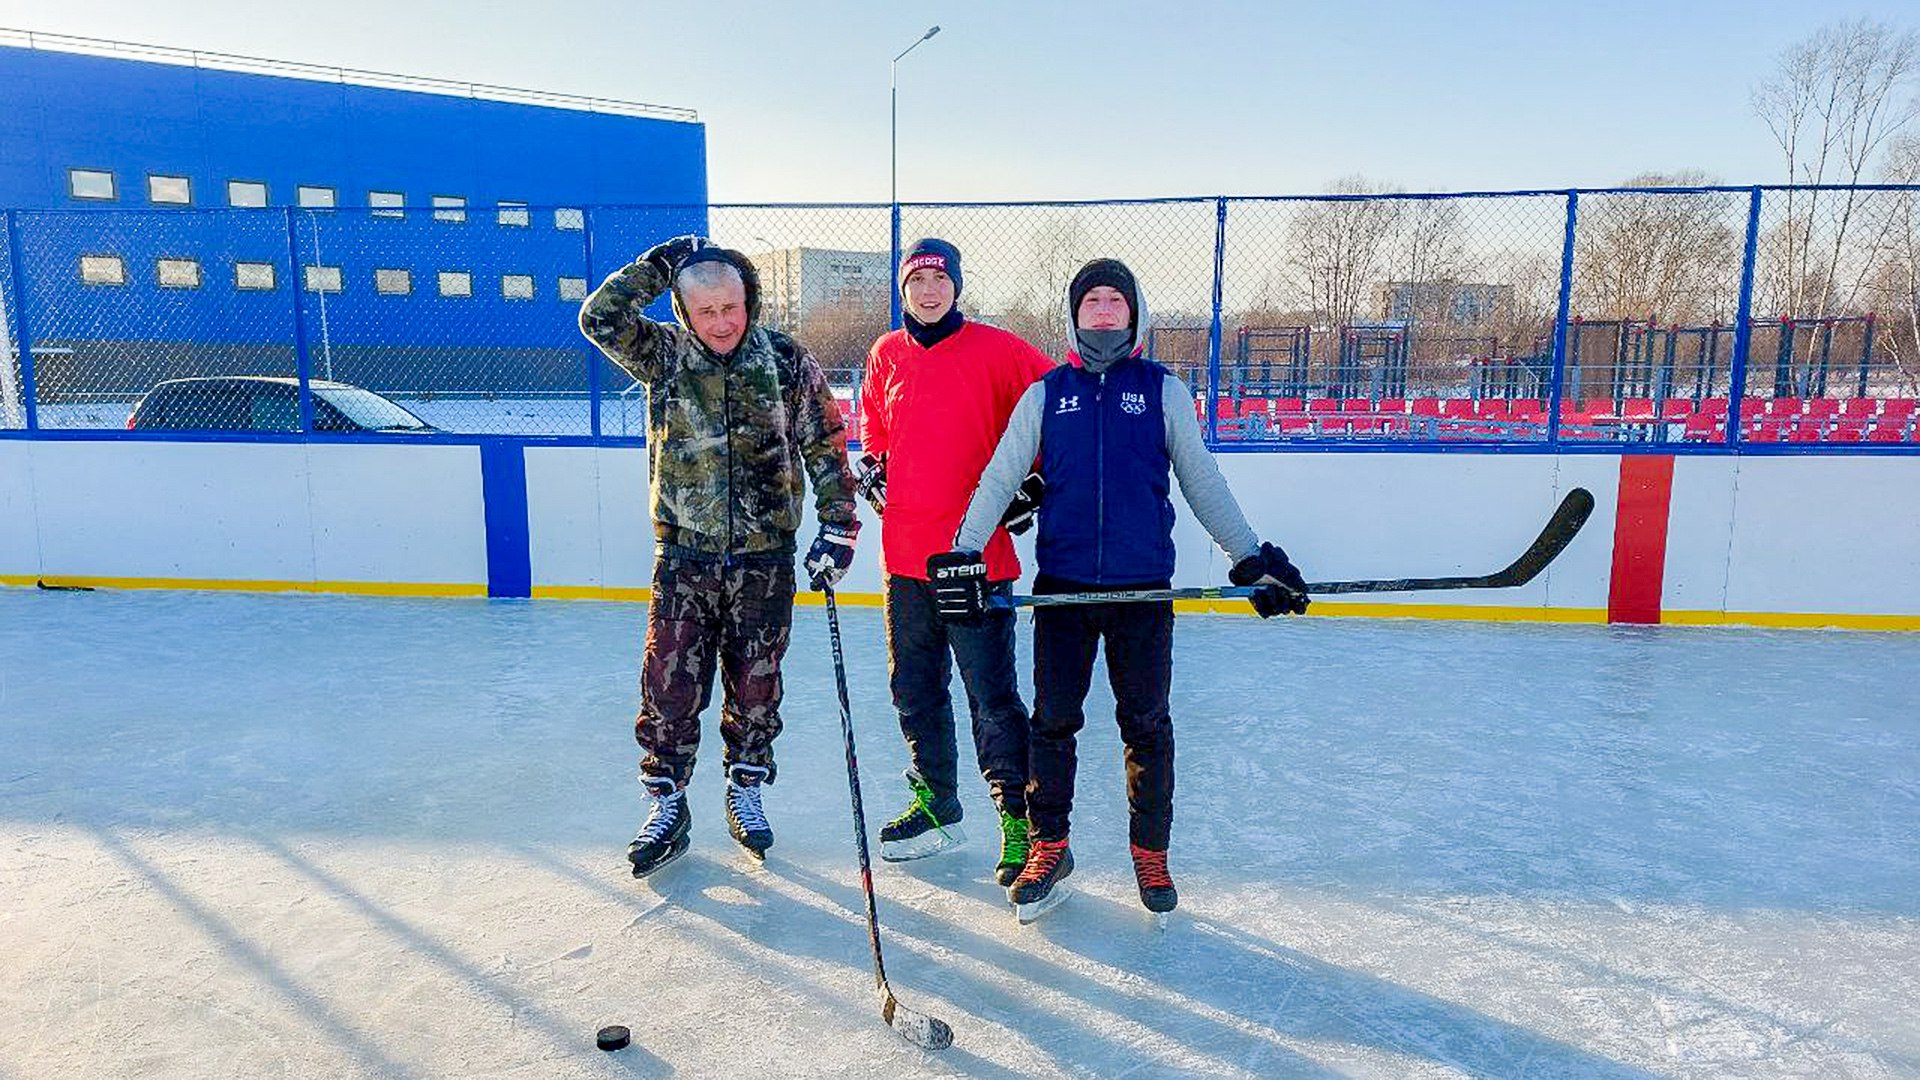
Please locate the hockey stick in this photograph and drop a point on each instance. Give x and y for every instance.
(1553, 539)
(926, 1032)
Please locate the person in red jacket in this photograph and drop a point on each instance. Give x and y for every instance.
(933, 405)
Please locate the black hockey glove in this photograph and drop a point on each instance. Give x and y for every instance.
(959, 585)
(1284, 591)
(830, 556)
(870, 479)
(667, 257)
(1026, 502)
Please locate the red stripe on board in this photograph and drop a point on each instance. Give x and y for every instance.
(1640, 538)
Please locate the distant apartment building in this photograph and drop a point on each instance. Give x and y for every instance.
(799, 283)
(1463, 305)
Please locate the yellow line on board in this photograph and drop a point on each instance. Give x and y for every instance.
(1791, 620)
(358, 588)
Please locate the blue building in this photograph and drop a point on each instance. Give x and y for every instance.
(191, 213)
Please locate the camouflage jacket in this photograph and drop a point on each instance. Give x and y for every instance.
(728, 438)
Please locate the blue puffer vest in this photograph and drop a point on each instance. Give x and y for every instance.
(1106, 518)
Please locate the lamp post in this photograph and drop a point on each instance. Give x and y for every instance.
(893, 149)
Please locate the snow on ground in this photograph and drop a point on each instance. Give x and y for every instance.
(292, 836)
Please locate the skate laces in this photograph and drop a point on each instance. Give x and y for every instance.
(665, 815)
(1042, 857)
(743, 801)
(1150, 867)
(1013, 839)
(922, 804)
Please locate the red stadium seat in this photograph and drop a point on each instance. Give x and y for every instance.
(1393, 405)
(1784, 406)
(1887, 431)
(1357, 404)
(1676, 408)
(1494, 409)
(1806, 431)
(1426, 406)
(1859, 407)
(1702, 428)
(1456, 408)
(1897, 408)
(1288, 405)
(1637, 408)
(1323, 405)
(1764, 431)
(1526, 406)
(1751, 407)
(1847, 429)
(1713, 406)
(1821, 408)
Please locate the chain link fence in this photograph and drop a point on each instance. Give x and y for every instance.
(1679, 316)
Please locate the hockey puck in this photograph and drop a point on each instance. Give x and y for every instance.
(613, 1037)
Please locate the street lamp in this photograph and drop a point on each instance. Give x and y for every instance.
(893, 151)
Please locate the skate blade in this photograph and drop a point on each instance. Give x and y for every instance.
(931, 842)
(673, 856)
(1027, 913)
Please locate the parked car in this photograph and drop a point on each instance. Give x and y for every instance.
(265, 403)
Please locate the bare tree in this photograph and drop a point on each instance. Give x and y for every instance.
(1660, 256)
(1833, 103)
(1896, 280)
(1337, 251)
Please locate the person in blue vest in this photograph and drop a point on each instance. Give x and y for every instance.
(1106, 431)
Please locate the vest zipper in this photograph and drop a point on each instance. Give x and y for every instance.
(1099, 481)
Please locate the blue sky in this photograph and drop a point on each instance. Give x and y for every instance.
(1051, 100)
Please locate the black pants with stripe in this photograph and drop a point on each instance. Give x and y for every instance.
(1139, 643)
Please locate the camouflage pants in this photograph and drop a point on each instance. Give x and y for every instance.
(709, 615)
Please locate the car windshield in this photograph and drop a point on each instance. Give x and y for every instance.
(369, 410)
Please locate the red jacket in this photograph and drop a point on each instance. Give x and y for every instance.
(938, 414)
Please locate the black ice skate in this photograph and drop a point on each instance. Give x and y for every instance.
(1156, 885)
(745, 818)
(666, 834)
(1038, 889)
(928, 826)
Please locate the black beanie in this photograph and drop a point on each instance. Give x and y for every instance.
(931, 252)
(1109, 272)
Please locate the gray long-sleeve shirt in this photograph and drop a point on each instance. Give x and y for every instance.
(1200, 480)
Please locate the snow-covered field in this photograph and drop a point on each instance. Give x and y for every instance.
(292, 836)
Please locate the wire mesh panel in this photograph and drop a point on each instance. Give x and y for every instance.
(1020, 259)
(467, 318)
(1655, 302)
(1835, 353)
(1389, 317)
(117, 303)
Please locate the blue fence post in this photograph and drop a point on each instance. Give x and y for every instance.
(1743, 322)
(893, 272)
(302, 361)
(1213, 328)
(592, 354)
(23, 337)
(1559, 374)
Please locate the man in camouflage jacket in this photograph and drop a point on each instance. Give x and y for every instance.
(736, 414)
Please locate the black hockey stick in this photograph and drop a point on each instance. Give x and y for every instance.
(1559, 532)
(927, 1032)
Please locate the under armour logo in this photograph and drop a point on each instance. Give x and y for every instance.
(1068, 403)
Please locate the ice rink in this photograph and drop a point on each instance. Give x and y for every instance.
(313, 836)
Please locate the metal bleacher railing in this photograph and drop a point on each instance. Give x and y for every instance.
(1772, 318)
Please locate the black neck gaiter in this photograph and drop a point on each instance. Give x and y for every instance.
(929, 335)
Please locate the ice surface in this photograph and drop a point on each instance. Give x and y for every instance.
(272, 836)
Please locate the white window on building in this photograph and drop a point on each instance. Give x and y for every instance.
(253, 276)
(569, 218)
(449, 208)
(318, 198)
(91, 184)
(387, 203)
(393, 282)
(514, 213)
(102, 270)
(573, 288)
(323, 279)
(246, 193)
(456, 283)
(516, 286)
(179, 273)
(169, 190)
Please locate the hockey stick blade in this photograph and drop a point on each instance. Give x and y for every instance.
(926, 1032)
(1567, 519)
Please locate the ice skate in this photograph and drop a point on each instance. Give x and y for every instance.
(746, 820)
(1013, 848)
(667, 832)
(1157, 893)
(928, 826)
(1038, 889)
